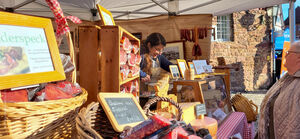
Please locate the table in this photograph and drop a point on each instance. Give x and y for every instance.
(235, 123)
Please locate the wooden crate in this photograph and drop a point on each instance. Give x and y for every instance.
(110, 57)
(89, 60)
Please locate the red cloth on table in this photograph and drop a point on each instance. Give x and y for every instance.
(235, 123)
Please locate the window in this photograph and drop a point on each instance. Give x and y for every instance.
(223, 29)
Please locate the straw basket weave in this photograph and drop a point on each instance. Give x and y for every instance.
(92, 123)
(47, 119)
(242, 104)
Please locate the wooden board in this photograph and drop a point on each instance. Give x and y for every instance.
(121, 109)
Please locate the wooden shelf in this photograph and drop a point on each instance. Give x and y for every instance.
(129, 79)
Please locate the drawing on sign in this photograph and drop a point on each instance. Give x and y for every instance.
(124, 110)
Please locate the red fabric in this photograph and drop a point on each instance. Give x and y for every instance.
(14, 96)
(60, 19)
(235, 123)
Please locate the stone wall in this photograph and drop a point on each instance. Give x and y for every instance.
(250, 50)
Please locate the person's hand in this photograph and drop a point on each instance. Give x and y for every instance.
(146, 79)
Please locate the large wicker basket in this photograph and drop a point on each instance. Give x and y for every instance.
(92, 123)
(241, 104)
(47, 119)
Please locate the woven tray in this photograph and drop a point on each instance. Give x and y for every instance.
(47, 119)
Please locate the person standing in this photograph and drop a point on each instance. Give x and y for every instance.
(280, 109)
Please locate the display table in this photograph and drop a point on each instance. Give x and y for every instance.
(235, 123)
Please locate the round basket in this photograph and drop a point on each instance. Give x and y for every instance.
(47, 119)
(241, 104)
(157, 99)
(92, 123)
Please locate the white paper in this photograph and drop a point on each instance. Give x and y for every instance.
(23, 50)
(107, 19)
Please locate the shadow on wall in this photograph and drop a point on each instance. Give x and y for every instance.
(261, 76)
(262, 60)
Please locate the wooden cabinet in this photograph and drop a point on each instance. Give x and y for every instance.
(110, 38)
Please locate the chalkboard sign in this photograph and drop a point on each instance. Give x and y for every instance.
(200, 109)
(124, 110)
(121, 109)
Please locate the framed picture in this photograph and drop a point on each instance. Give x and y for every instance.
(182, 66)
(199, 66)
(28, 51)
(174, 50)
(106, 17)
(191, 65)
(174, 71)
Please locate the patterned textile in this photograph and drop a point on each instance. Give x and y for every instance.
(60, 19)
(234, 124)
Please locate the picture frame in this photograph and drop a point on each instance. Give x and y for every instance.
(106, 16)
(182, 66)
(199, 66)
(191, 65)
(32, 50)
(174, 50)
(174, 71)
(115, 103)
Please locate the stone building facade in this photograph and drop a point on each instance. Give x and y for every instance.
(249, 49)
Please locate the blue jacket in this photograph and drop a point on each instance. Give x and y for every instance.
(163, 61)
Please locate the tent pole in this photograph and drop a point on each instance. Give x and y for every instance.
(292, 20)
(160, 5)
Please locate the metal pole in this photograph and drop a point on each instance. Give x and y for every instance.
(292, 21)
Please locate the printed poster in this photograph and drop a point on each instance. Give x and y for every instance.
(23, 50)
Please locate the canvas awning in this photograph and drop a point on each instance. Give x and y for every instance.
(133, 9)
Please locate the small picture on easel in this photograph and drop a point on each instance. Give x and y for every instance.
(174, 71)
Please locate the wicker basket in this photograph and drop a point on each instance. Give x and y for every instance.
(47, 119)
(92, 123)
(241, 104)
(158, 99)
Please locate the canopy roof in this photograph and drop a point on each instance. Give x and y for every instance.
(133, 9)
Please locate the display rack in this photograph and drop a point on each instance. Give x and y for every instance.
(110, 58)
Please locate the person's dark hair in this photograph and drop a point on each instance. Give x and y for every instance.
(154, 39)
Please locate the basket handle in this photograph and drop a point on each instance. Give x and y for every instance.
(256, 107)
(156, 99)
